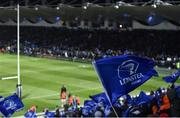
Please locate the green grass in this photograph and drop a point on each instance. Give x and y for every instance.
(42, 79)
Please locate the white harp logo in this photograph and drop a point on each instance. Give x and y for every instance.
(127, 72)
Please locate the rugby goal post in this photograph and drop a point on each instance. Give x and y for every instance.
(7, 78)
(19, 85)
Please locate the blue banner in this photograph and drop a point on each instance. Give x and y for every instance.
(88, 108)
(50, 114)
(122, 74)
(30, 114)
(89, 103)
(10, 105)
(101, 97)
(172, 78)
(143, 98)
(1, 98)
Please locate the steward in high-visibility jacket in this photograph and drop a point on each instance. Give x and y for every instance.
(78, 101)
(63, 95)
(70, 100)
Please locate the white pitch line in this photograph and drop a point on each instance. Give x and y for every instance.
(84, 66)
(6, 78)
(45, 96)
(6, 92)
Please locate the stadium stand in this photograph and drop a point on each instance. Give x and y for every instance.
(89, 45)
(78, 32)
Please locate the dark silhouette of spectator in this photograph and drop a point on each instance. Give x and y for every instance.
(175, 102)
(165, 106)
(57, 113)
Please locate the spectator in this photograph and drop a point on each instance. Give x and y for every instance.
(70, 100)
(175, 102)
(165, 107)
(57, 113)
(63, 95)
(78, 101)
(33, 108)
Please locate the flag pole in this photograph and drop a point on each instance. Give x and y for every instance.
(18, 86)
(105, 90)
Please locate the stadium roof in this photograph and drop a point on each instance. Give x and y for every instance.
(93, 13)
(80, 2)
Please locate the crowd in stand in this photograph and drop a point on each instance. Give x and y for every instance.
(162, 46)
(164, 102)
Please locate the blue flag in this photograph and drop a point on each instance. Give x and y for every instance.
(89, 103)
(143, 98)
(122, 74)
(88, 108)
(10, 105)
(172, 78)
(128, 99)
(49, 114)
(178, 91)
(30, 114)
(101, 97)
(1, 98)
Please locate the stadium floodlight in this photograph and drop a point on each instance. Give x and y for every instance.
(57, 8)
(120, 26)
(121, 3)
(36, 8)
(154, 5)
(116, 6)
(58, 18)
(84, 7)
